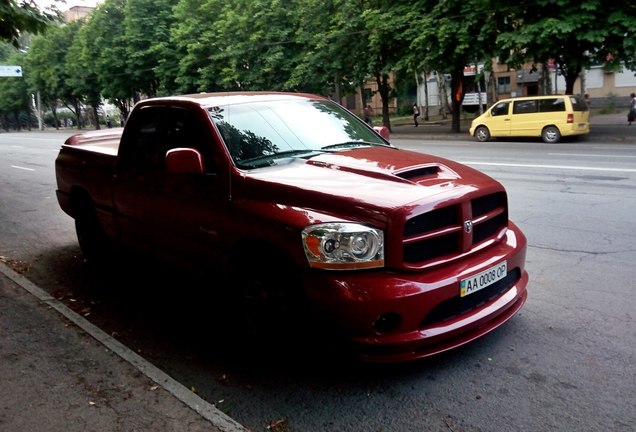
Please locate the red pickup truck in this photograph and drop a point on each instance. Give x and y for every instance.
(310, 213)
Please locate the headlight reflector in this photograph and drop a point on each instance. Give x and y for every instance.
(343, 246)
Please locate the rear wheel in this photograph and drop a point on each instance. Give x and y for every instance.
(482, 134)
(551, 134)
(91, 238)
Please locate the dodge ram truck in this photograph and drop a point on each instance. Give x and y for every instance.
(312, 215)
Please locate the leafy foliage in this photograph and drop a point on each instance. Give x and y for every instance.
(23, 16)
(14, 98)
(130, 49)
(575, 36)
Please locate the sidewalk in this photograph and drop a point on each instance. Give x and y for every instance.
(603, 128)
(61, 373)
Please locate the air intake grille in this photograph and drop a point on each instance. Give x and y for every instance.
(443, 232)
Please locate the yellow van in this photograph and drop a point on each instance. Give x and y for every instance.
(549, 117)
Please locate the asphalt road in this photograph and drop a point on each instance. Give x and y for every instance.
(565, 362)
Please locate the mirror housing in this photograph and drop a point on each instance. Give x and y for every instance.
(184, 161)
(383, 131)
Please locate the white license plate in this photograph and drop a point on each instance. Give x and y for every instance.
(482, 280)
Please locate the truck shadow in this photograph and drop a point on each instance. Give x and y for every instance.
(174, 320)
(178, 321)
(152, 308)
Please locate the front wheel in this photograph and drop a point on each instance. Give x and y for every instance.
(551, 135)
(268, 302)
(482, 134)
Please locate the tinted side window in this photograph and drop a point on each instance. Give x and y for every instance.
(153, 130)
(551, 105)
(181, 128)
(500, 109)
(524, 106)
(140, 139)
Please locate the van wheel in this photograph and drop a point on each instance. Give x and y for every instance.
(482, 134)
(551, 135)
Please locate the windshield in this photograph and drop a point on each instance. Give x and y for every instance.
(258, 133)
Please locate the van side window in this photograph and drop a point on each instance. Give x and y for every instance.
(552, 105)
(524, 106)
(500, 109)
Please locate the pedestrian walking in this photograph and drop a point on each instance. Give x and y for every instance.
(368, 112)
(631, 115)
(416, 114)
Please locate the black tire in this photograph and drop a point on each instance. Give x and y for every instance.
(90, 236)
(268, 304)
(551, 135)
(482, 134)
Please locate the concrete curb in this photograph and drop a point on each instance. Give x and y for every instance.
(208, 411)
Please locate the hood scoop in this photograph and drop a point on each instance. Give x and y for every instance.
(414, 173)
(388, 164)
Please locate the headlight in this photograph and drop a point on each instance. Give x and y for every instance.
(343, 246)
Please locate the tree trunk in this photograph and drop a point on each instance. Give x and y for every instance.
(382, 80)
(457, 89)
(96, 115)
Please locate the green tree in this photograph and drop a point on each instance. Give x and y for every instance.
(147, 22)
(59, 41)
(574, 34)
(348, 42)
(40, 66)
(107, 45)
(256, 48)
(449, 34)
(48, 75)
(15, 107)
(5, 51)
(82, 76)
(17, 17)
(193, 41)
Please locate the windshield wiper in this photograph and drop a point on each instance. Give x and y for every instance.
(267, 160)
(350, 144)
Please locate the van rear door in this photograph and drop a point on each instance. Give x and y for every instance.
(580, 114)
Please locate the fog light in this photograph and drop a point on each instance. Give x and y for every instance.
(387, 322)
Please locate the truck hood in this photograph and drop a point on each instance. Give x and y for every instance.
(372, 178)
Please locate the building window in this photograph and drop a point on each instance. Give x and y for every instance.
(503, 85)
(368, 95)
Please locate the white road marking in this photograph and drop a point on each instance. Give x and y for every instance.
(591, 155)
(22, 168)
(564, 167)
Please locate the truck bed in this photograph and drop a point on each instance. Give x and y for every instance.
(105, 142)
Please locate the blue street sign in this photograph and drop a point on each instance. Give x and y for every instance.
(10, 71)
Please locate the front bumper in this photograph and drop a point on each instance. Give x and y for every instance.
(426, 309)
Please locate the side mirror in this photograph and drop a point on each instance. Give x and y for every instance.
(184, 161)
(383, 131)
